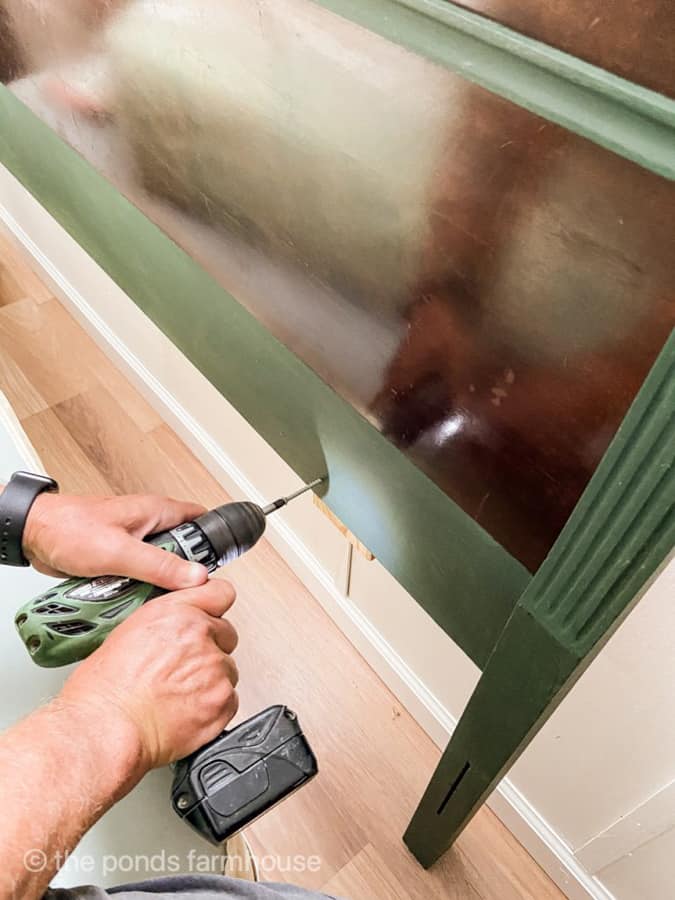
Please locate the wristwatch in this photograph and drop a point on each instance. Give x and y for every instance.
(15, 503)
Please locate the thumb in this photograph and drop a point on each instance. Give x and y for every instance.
(145, 562)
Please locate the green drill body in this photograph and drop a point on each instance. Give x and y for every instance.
(70, 620)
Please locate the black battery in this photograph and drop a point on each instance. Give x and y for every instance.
(242, 773)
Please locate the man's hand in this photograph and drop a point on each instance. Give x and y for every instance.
(69, 535)
(167, 672)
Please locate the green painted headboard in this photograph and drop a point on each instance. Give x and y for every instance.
(498, 208)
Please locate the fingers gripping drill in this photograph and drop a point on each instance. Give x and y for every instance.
(245, 771)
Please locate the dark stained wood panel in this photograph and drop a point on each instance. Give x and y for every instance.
(487, 288)
(549, 292)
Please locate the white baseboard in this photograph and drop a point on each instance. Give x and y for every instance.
(550, 851)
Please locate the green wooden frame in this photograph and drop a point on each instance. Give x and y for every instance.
(620, 531)
(617, 537)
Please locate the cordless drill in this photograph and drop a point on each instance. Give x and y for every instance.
(242, 773)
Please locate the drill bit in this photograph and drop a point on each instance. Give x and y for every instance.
(282, 501)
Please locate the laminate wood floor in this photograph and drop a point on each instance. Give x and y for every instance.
(95, 433)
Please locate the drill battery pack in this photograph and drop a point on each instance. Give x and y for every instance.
(242, 773)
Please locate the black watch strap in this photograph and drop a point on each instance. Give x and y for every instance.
(15, 503)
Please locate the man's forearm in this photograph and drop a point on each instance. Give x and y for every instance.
(61, 769)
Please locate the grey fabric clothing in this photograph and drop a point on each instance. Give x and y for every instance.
(189, 887)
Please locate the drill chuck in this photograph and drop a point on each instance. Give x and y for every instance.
(231, 530)
(194, 545)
